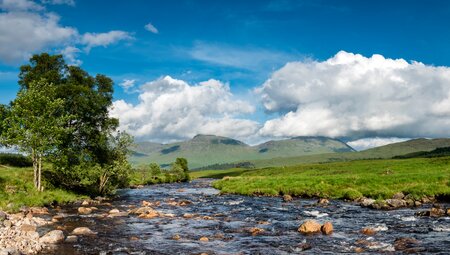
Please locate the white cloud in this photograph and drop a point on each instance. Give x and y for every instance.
(59, 2)
(171, 109)
(350, 95)
(27, 28)
(127, 85)
(151, 28)
(19, 5)
(22, 33)
(71, 54)
(367, 143)
(104, 39)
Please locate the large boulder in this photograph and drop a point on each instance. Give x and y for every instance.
(309, 227)
(52, 237)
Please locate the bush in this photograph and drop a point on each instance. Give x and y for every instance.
(17, 160)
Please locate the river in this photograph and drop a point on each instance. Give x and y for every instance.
(229, 218)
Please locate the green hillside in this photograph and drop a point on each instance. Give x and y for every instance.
(205, 150)
(382, 152)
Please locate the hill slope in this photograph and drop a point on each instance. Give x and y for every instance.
(203, 150)
(382, 152)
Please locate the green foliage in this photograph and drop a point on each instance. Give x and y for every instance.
(153, 174)
(155, 169)
(17, 160)
(35, 123)
(378, 179)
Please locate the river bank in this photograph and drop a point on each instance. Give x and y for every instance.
(193, 218)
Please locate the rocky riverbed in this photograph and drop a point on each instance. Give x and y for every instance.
(192, 218)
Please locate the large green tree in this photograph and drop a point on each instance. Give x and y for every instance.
(35, 124)
(87, 102)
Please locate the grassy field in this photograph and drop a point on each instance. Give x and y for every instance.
(378, 179)
(16, 190)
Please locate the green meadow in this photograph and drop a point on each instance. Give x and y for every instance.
(17, 190)
(378, 179)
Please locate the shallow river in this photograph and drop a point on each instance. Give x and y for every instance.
(231, 218)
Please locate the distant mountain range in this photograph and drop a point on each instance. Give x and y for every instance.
(203, 150)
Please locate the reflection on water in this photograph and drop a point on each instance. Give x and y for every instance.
(230, 217)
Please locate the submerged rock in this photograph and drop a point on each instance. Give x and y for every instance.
(204, 239)
(256, 231)
(323, 201)
(309, 227)
(368, 231)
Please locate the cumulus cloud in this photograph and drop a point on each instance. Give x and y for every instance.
(22, 33)
(27, 28)
(127, 85)
(367, 143)
(104, 39)
(149, 27)
(171, 109)
(350, 95)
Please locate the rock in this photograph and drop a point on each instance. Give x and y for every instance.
(112, 211)
(7, 223)
(396, 203)
(409, 202)
(417, 203)
(309, 227)
(85, 202)
(368, 231)
(437, 212)
(327, 228)
(176, 237)
(366, 202)
(358, 250)
(425, 200)
(256, 231)
(27, 228)
(305, 246)
(263, 222)
(184, 203)
(323, 201)
(203, 239)
(287, 198)
(84, 210)
(39, 210)
(447, 211)
(405, 243)
(52, 237)
(83, 231)
(10, 251)
(142, 210)
(398, 195)
(380, 204)
(149, 215)
(71, 239)
(146, 203)
(207, 218)
(188, 215)
(2, 216)
(118, 214)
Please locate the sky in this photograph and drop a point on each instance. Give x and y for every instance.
(366, 72)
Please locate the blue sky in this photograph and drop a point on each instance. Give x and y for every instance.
(239, 43)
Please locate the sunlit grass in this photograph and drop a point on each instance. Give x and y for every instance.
(379, 179)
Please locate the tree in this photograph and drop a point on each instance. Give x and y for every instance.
(35, 123)
(155, 169)
(183, 164)
(4, 110)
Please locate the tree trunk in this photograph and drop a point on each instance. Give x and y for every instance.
(35, 168)
(40, 188)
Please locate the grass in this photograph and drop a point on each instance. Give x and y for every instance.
(17, 190)
(378, 179)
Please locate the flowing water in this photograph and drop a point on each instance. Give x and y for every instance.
(230, 217)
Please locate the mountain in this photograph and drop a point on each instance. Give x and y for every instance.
(203, 150)
(382, 152)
